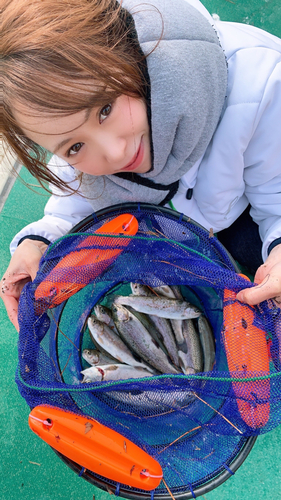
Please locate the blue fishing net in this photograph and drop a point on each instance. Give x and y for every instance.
(193, 425)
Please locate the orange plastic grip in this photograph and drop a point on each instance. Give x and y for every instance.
(63, 280)
(247, 356)
(96, 447)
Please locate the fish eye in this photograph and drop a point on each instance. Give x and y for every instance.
(105, 112)
(73, 150)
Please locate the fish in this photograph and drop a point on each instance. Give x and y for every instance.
(151, 401)
(177, 329)
(160, 306)
(95, 357)
(186, 363)
(116, 371)
(165, 291)
(148, 324)
(172, 293)
(177, 292)
(207, 342)
(162, 325)
(164, 328)
(111, 343)
(92, 374)
(140, 290)
(194, 348)
(104, 314)
(133, 333)
(139, 339)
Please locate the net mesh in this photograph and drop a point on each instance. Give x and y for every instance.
(193, 425)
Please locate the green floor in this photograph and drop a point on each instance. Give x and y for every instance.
(29, 469)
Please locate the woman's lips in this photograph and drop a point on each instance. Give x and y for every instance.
(137, 160)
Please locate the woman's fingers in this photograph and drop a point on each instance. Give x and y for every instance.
(10, 293)
(268, 279)
(11, 304)
(23, 268)
(269, 288)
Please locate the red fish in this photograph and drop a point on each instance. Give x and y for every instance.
(82, 265)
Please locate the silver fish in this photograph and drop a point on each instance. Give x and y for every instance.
(151, 401)
(185, 360)
(177, 292)
(140, 341)
(148, 324)
(164, 291)
(113, 372)
(164, 328)
(92, 374)
(207, 342)
(104, 314)
(177, 329)
(194, 348)
(185, 363)
(172, 293)
(140, 290)
(111, 343)
(160, 306)
(95, 357)
(162, 325)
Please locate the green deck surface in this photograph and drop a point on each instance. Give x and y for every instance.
(29, 468)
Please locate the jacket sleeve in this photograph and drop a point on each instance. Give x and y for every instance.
(242, 165)
(263, 159)
(62, 210)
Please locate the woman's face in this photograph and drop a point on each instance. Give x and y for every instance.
(97, 141)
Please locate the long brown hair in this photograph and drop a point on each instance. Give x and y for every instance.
(54, 52)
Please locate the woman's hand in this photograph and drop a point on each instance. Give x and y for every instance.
(22, 269)
(268, 279)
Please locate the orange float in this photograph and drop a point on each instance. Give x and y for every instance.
(247, 356)
(96, 447)
(67, 276)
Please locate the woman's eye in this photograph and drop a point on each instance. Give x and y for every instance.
(104, 112)
(75, 148)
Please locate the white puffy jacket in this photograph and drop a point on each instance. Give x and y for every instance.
(241, 165)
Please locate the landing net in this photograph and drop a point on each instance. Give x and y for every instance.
(193, 425)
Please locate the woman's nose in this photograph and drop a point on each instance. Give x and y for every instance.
(114, 149)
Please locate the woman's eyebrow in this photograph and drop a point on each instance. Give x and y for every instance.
(69, 139)
(61, 144)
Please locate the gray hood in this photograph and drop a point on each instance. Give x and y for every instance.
(188, 77)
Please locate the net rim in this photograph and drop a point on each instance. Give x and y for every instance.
(95, 216)
(210, 485)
